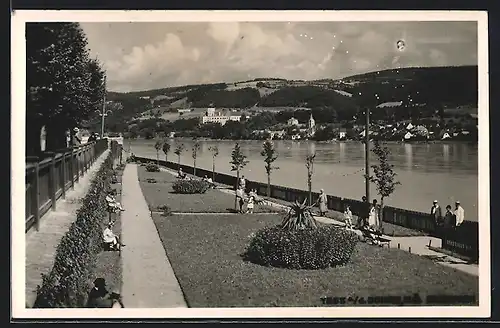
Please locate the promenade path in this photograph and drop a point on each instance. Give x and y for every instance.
(41, 245)
(148, 278)
(418, 245)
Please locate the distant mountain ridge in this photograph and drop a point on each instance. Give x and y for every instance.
(439, 87)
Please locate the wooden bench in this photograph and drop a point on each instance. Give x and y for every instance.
(367, 235)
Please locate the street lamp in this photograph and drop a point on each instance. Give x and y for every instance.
(104, 112)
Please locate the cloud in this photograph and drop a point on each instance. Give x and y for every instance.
(140, 56)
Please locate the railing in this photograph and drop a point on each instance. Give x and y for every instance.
(463, 239)
(48, 178)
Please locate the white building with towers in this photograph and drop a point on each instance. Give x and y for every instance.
(311, 126)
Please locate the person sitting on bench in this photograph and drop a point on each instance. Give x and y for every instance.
(180, 174)
(100, 297)
(111, 240)
(113, 205)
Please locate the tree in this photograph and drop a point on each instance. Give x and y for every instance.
(64, 86)
(166, 149)
(194, 154)
(158, 147)
(178, 151)
(215, 153)
(238, 162)
(384, 176)
(310, 170)
(270, 155)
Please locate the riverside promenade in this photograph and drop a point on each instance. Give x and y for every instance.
(41, 245)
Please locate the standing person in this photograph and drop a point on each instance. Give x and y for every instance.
(348, 217)
(251, 202)
(436, 213)
(75, 138)
(322, 203)
(243, 182)
(373, 214)
(459, 214)
(364, 209)
(240, 194)
(449, 217)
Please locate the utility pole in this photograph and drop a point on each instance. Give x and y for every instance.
(103, 109)
(367, 154)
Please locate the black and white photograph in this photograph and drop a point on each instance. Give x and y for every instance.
(250, 164)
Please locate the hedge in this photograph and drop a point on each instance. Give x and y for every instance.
(190, 186)
(67, 284)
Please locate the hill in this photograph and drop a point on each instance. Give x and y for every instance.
(421, 91)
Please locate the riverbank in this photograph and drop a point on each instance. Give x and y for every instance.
(210, 277)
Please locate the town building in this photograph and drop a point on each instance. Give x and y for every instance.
(213, 116)
(293, 121)
(342, 133)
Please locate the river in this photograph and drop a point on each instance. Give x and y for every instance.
(443, 171)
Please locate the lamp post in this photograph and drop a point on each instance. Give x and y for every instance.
(104, 112)
(367, 154)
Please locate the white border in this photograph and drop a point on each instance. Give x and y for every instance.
(18, 68)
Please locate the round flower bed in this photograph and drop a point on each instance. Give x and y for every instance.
(151, 167)
(190, 186)
(323, 247)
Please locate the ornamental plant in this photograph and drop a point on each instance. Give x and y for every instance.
(190, 186)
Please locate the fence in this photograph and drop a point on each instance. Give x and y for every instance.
(463, 240)
(48, 178)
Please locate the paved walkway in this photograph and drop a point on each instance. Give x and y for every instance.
(419, 245)
(41, 245)
(148, 278)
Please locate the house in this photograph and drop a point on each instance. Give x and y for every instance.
(445, 135)
(171, 134)
(390, 104)
(408, 135)
(342, 133)
(184, 110)
(213, 116)
(409, 126)
(292, 121)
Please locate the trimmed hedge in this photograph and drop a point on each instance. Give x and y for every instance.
(320, 248)
(190, 186)
(150, 167)
(67, 284)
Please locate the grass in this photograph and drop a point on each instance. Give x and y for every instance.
(161, 193)
(109, 264)
(205, 254)
(389, 228)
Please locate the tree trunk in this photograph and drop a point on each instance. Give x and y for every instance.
(213, 170)
(33, 130)
(194, 167)
(55, 137)
(157, 158)
(381, 213)
(269, 185)
(178, 162)
(235, 189)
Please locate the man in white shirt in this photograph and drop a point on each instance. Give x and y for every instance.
(459, 213)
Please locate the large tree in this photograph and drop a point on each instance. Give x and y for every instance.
(64, 85)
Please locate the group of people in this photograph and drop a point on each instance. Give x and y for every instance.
(100, 297)
(111, 240)
(250, 199)
(451, 218)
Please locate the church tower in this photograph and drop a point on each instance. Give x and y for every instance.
(311, 126)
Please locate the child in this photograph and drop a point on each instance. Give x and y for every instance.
(251, 201)
(348, 217)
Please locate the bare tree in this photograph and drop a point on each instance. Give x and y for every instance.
(238, 162)
(270, 155)
(384, 176)
(178, 151)
(310, 171)
(194, 154)
(215, 153)
(158, 147)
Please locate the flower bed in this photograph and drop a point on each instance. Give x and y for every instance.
(190, 187)
(323, 247)
(204, 253)
(66, 285)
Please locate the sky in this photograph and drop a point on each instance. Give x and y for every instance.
(143, 55)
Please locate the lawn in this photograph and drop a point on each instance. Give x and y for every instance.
(161, 193)
(109, 265)
(204, 253)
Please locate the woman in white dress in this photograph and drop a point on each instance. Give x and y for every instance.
(373, 215)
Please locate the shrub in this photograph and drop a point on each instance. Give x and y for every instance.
(131, 159)
(323, 247)
(150, 167)
(66, 285)
(151, 180)
(167, 211)
(190, 186)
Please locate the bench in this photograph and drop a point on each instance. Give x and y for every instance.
(367, 235)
